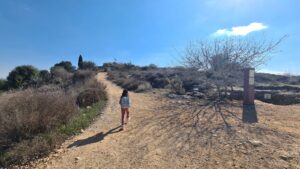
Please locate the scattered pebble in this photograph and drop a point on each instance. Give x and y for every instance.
(286, 157)
(256, 143)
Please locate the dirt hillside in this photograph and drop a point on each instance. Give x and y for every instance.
(173, 133)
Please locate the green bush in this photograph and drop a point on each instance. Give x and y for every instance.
(90, 96)
(44, 77)
(81, 76)
(91, 92)
(66, 65)
(88, 65)
(22, 76)
(61, 76)
(3, 84)
(144, 86)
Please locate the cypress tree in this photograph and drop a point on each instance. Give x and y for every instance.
(80, 62)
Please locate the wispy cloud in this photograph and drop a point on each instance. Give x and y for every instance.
(241, 30)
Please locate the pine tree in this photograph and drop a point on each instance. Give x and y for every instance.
(80, 62)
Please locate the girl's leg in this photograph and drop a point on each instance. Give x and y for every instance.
(127, 114)
(122, 116)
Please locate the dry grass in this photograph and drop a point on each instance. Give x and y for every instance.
(30, 112)
(34, 121)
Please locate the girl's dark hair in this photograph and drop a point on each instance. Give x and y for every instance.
(125, 93)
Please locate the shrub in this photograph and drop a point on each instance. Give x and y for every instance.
(67, 65)
(30, 112)
(149, 67)
(90, 92)
(3, 84)
(176, 85)
(61, 76)
(88, 65)
(42, 144)
(22, 76)
(90, 96)
(44, 77)
(143, 87)
(157, 80)
(81, 76)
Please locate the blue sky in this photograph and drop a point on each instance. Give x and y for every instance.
(42, 33)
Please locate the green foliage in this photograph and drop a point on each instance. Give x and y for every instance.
(89, 65)
(120, 66)
(83, 119)
(61, 76)
(90, 96)
(152, 66)
(44, 77)
(3, 84)
(149, 67)
(80, 62)
(81, 76)
(66, 65)
(22, 76)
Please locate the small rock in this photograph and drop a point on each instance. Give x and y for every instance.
(173, 96)
(199, 95)
(77, 158)
(256, 143)
(286, 157)
(244, 151)
(81, 130)
(59, 150)
(88, 107)
(186, 97)
(179, 101)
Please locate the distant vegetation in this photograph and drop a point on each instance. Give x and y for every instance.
(195, 83)
(40, 108)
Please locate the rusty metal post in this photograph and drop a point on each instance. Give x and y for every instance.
(249, 93)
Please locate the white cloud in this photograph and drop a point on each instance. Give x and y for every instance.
(241, 30)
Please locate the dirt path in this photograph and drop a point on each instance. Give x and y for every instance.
(166, 133)
(102, 145)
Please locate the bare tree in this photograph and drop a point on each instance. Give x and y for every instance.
(223, 59)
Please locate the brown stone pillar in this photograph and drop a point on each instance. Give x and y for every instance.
(249, 93)
(249, 110)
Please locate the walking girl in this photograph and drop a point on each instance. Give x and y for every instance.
(125, 105)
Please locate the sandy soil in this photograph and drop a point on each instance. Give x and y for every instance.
(172, 133)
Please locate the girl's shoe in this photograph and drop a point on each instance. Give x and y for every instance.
(127, 120)
(123, 127)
